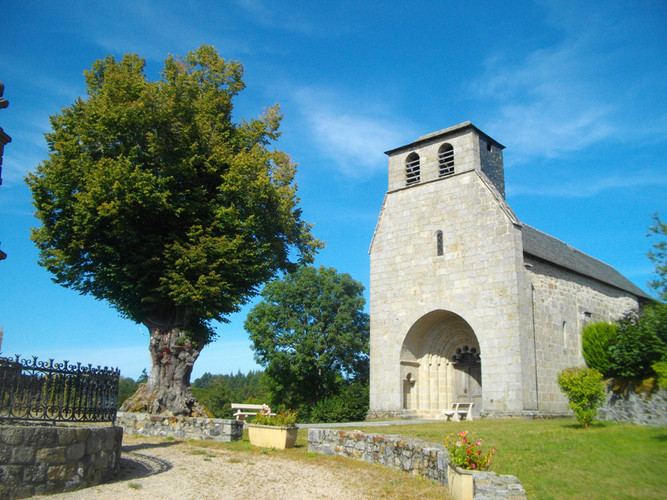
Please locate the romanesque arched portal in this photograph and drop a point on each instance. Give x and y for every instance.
(440, 365)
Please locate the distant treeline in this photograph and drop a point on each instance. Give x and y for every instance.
(218, 392)
(215, 392)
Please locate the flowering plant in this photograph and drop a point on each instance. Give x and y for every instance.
(466, 453)
(285, 418)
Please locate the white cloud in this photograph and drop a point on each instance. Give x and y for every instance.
(548, 104)
(275, 15)
(354, 137)
(573, 94)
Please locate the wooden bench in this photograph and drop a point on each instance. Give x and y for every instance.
(459, 411)
(246, 410)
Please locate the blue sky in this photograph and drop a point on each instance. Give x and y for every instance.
(576, 91)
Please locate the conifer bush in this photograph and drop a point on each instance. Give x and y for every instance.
(595, 341)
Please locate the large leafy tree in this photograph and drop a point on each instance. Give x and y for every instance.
(311, 334)
(153, 199)
(659, 256)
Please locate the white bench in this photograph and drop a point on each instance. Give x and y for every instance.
(459, 411)
(246, 410)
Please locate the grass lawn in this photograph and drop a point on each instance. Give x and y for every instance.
(554, 459)
(557, 458)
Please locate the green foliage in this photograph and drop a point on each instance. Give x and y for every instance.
(218, 392)
(351, 405)
(641, 340)
(466, 452)
(585, 390)
(659, 256)
(660, 368)
(154, 200)
(126, 387)
(596, 339)
(285, 418)
(311, 335)
(216, 398)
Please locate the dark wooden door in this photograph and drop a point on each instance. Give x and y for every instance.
(469, 384)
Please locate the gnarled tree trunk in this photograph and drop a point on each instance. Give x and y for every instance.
(167, 390)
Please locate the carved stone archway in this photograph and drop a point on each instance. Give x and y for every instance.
(440, 365)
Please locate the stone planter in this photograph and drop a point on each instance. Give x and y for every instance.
(460, 482)
(269, 436)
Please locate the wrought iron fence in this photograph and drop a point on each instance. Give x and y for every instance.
(33, 390)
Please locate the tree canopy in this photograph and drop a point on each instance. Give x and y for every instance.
(153, 199)
(311, 334)
(659, 256)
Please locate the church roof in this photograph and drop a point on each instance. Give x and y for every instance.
(550, 249)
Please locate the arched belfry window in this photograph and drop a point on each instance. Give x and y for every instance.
(446, 160)
(412, 174)
(438, 243)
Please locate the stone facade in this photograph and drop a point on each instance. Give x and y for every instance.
(214, 429)
(466, 302)
(563, 303)
(409, 455)
(46, 459)
(628, 405)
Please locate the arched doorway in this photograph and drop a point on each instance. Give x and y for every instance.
(468, 376)
(440, 365)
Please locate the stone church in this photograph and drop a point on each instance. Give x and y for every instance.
(467, 303)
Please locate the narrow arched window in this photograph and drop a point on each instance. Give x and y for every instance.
(446, 160)
(438, 243)
(412, 174)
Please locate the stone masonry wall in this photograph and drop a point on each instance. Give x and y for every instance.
(630, 406)
(475, 278)
(409, 455)
(215, 429)
(563, 303)
(46, 459)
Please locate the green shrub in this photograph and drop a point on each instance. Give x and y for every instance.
(660, 368)
(595, 341)
(351, 405)
(641, 341)
(585, 390)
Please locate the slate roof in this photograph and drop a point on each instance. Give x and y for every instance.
(550, 249)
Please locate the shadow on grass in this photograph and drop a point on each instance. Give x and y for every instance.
(594, 425)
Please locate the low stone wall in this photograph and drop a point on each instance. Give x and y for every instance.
(215, 429)
(638, 408)
(46, 459)
(410, 455)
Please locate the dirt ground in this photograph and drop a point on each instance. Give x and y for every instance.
(160, 469)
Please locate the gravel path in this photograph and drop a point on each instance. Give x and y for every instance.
(159, 469)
